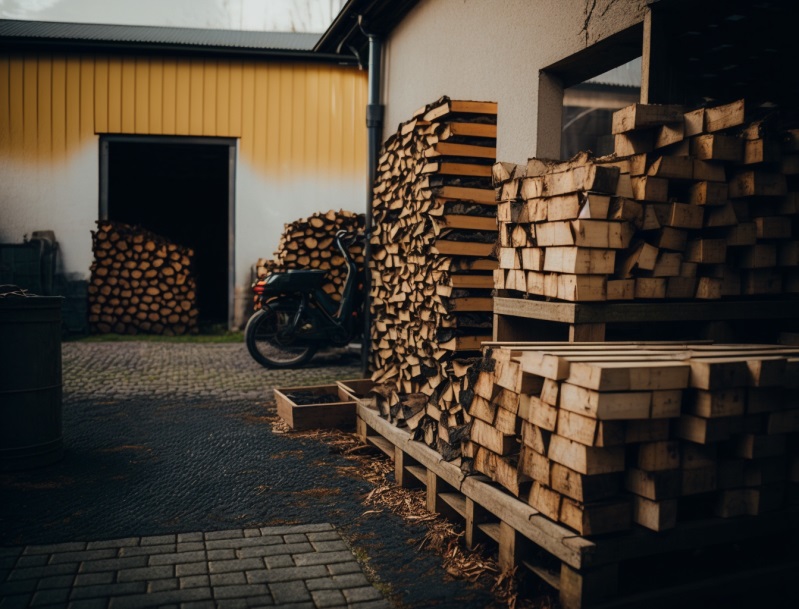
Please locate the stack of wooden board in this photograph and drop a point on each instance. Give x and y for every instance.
(704, 206)
(433, 238)
(141, 283)
(600, 435)
(308, 243)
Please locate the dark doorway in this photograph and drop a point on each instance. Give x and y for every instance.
(182, 190)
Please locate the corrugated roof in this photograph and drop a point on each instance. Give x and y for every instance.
(626, 75)
(154, 35)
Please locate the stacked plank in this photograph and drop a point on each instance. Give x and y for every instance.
(140, 283)
(433, 238)
(704, 206)
(598, 436)
(309, 243)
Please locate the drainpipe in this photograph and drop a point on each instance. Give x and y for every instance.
(374, 128)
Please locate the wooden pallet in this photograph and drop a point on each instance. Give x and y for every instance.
(514, 318)
(587, 572)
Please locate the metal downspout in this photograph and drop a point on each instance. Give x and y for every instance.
(374, 127)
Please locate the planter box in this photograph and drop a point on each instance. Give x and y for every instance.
(315, 416)
(356, 390)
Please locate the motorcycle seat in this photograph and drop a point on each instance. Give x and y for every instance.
(297, 280)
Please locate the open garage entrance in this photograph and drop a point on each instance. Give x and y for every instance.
(183, 189)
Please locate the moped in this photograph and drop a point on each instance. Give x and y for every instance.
(297, 317)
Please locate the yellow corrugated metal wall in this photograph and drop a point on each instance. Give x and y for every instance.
(289, 116)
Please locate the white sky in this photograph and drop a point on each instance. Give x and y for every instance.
(266, 15)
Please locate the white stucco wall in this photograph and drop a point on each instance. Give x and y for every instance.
(493, 50)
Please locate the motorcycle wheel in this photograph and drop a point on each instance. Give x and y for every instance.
(261, 335)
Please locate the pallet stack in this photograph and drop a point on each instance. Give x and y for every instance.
(433, 239)
(598, 436)
(308, 243)
(140, 283)
(704, 206)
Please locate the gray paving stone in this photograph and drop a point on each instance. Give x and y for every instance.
(351, 580)
(82, 556)
(295, 538)
(243, 542)
(34, 560)
(226, 554)
(321, 583)
(188, 537)
(215, 535)
(344, 567)
(141, 574)
(296, 528)
(263, 600)
(15, 601)
(273, 550)
(164, 548)
(233, 603)
(72, 546)
(94, 579)
(209, 604)
(192, 568)
(109, 590)
(365, 593)
(40, 572)
(241, 591)
(252, 532)
(23, 586)
(113, 564)
(157, 540)
(323, 558)
(50, 597)
(328, 598)
(10, 551)
(190, 546)
(195, 581)
(113, 543)
(289, 592)
(241, 564)
(378, 604)
(287, 574)
(229, 579)
(281, 560)
(137, 601)
(330, 546)
(56, 581)
(89, 603)
(161, 585)
(324, 536)
(177, 557)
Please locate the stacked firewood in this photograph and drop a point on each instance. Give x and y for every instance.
(309, 243)
(703, 206)
(598, 436)
(433, 240)
(140, 283)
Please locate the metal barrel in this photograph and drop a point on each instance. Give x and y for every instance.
(30, 382)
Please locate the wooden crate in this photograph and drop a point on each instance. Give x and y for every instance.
(315, 416)
(356, 390)
(587, 572)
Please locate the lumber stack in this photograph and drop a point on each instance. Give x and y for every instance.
(433, 239)
(141, 283)
(598, 436)
(309, 243)
(704, 206)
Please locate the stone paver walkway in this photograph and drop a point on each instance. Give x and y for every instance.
(286, 566)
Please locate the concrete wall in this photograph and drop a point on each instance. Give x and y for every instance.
(493, 50)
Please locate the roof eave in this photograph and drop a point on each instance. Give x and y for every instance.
(104, 46)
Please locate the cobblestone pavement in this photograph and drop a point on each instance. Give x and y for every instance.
(166, 439)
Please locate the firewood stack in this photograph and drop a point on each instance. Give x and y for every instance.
(704, 207)
(434, 233)
(309, 243)
(602, 435)
(140, 283)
